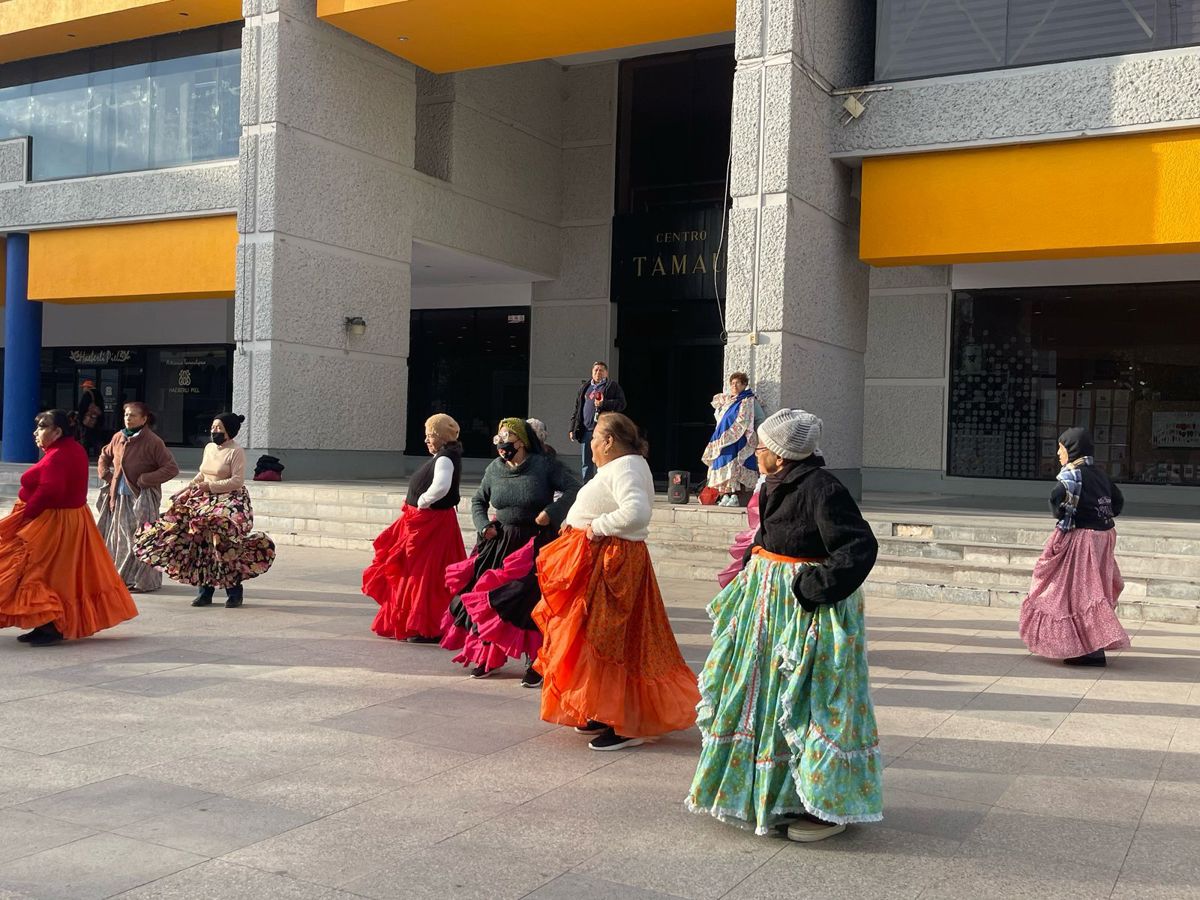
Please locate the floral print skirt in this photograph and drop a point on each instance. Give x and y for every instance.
(205, 539)
(786, 718)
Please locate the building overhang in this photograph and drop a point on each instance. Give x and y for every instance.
(1124, 195)
(453, 35)
(30, 28)
(174, 259)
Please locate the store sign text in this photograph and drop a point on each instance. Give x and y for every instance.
(100, 357)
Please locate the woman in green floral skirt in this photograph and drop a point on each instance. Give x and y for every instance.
(785, 712)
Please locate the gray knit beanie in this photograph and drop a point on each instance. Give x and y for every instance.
(791, 433)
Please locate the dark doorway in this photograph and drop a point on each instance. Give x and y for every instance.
(668, 246)
(472, 364)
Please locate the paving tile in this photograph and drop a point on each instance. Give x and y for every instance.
(1166, 853)
(25, 833)
(385, 720)
(446, 871)
(589, 887)
(925, 777)
(217, 826)
(1112, 800)
(94, 867)
(938, 817)
(864, 861)
(1050, 838)
(984, 872)
(220, 880)
(116, 801)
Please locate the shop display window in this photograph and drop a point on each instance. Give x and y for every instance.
(1120, 360)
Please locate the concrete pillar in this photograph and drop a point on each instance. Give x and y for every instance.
(22, 354)
(797, 293)
(325, 222)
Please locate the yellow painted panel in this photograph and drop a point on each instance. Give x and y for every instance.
(1127, 195)
(452, 35)
(30, 28)
(178, 259)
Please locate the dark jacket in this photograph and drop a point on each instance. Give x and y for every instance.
(1100, 501)
(614, 401)
(810, 514)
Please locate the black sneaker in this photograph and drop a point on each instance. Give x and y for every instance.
(481, 672)
(610, 740)
(45, 636)
(421, 639)
(532, 679)
(29, 635)
(592, 727)
(1095, 658)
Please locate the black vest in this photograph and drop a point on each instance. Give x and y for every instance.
(423, 478)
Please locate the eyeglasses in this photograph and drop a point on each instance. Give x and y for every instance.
(503, 437)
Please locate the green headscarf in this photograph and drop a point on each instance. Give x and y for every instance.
(517, 428)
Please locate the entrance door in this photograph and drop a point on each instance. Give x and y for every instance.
(671, 365)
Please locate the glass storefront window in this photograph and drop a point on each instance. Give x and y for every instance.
(168, 110)
(1120, 360)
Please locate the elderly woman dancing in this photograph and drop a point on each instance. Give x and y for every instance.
(496, 588)
(611, 664)
(785, 714)
(408, 575)
(133, 467)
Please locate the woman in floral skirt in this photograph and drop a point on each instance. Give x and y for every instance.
(204, 539)
(785, 714)
(1071, 611)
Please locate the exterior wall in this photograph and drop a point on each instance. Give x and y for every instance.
(573, 319)
(325, 216)
(181, 192)
(797, 293)
(906, 372)
(136, 324)
(1144, 91)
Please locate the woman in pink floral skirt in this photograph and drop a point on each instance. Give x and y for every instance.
(1071, 611)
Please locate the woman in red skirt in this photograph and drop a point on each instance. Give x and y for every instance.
(611, 665)
(408, 576)
(1071, 611)
(56, 576)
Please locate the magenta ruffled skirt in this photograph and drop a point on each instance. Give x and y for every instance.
(1071, 609)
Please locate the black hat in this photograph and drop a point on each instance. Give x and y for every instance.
(232, 422)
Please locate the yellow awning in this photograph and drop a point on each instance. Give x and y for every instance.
(177, 259)
(1126, 195)
(30, 28)
(451, 35)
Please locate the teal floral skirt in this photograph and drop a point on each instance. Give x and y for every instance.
(785, 711)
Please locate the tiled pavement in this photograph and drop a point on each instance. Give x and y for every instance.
(281, 750)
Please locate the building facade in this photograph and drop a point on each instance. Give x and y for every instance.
(951, 233)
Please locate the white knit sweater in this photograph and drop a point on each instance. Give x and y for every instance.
(617, 502)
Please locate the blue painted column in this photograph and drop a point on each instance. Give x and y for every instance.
(22, 355)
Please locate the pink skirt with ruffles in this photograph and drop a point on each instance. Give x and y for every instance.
(493, 641)
(1071, 609)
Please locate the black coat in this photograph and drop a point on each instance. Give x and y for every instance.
(1100, 501)
(810, 514)
(614, 401)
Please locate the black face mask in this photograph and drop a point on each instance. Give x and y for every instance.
(218, 437)
(507, 450)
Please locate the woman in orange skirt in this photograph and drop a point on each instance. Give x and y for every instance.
(56, 576)
(611, 665)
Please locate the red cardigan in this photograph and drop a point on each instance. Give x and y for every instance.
(59, 480)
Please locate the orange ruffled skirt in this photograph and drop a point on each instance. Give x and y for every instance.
(608, 652)
(57, 569)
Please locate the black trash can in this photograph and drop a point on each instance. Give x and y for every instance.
(677, 486)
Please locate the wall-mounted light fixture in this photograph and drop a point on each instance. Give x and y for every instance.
(356, 325)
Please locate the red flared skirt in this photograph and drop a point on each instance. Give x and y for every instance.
(57, 569)
(608, 652)
(408, 575)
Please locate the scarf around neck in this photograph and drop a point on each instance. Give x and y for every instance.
(1071, 478)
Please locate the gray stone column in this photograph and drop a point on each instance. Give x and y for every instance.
(797, 293)
(325, 233)
(574, 321)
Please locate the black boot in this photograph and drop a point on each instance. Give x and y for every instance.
(233, 597)
(204, 597)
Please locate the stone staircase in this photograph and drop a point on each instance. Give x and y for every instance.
(973, 557)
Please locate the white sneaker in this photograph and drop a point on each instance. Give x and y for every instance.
(806, 831)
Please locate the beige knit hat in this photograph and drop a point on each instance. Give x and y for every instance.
(791, 433)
